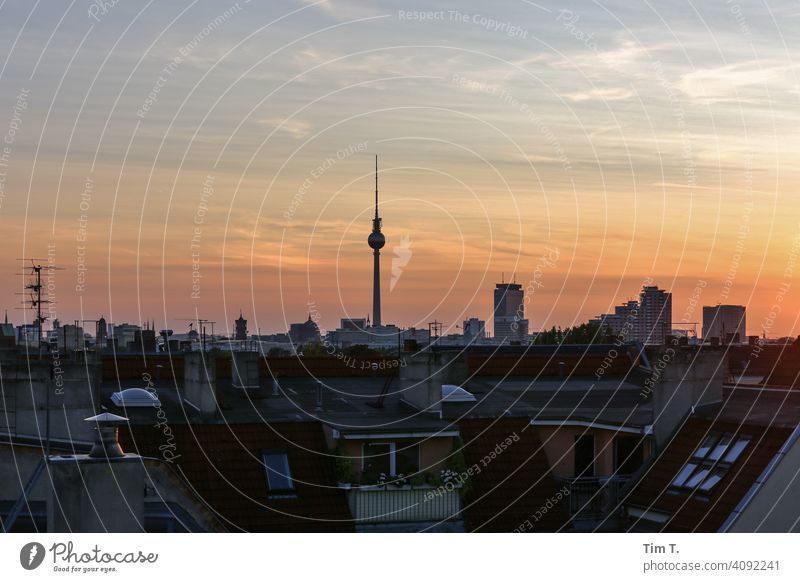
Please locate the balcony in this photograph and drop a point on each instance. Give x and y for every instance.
(389, 504)
(593, 498)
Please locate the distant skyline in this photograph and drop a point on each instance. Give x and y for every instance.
(195, 158)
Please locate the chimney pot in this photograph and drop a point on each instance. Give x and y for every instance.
(106, 445)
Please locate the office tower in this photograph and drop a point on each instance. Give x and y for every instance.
(509, 313)
(724, 324)
(654, 322)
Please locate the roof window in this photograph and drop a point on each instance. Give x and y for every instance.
(710, 462)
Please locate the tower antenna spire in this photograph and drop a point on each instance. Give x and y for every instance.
(376, 241)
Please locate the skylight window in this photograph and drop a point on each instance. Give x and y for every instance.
(135, 398)
(710, 462)
(279, 476)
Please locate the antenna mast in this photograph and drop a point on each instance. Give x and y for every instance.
(33, 288)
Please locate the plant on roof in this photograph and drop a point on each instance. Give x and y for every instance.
(448, 476)
(420, 478)
(455, 461)
(399, 480)
(456, 467)
(343, 467)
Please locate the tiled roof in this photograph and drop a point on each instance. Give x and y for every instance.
(545, 361)
(223, 464)
(131, 366)
(513, 486)
(691, 511)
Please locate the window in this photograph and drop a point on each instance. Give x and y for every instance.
(378, 458)
(628, 454)
(584, 455)
(279, 476)
(710, 462)
(407, 458)
(391, 458)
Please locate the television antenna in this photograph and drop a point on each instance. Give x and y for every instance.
(33, 289)
(201, 323)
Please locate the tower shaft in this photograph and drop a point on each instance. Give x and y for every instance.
(376, 288)
(376, 241)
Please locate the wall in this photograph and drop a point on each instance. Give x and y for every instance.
(421, 380)
(689, 377)
(200, 384)
(71, 386)
(94, 495)
(558, 442)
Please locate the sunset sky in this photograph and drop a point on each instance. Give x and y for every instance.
(618, 140)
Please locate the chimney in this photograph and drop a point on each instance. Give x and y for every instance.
(200, 384)
(244, 370)
(318, 403)
(99, 492)
(422, 379)
(682, 379)
(106, 445)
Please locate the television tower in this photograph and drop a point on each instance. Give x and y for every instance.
(376, 241)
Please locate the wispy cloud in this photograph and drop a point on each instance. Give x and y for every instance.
(297, 128)
(609, 94)
(738, 82)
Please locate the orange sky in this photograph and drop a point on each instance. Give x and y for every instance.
(652, 150)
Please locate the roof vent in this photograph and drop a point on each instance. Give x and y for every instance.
(106, 445)
(453, 393)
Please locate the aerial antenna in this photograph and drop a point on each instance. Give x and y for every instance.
(35, 301)
(376, 187)
(201, 325)
(33, 289)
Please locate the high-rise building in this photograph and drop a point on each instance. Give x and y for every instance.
(509, 313)
(376, 242)
(654, 321)
(725, 324)
(622, 323)
(69, 337)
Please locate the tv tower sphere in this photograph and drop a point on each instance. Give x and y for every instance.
(376, 240)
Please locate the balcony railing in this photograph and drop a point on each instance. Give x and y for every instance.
(594, 497)
(389, 504)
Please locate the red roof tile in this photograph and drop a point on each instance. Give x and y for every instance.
(223, 464)
(513, 486)
(690, 511)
